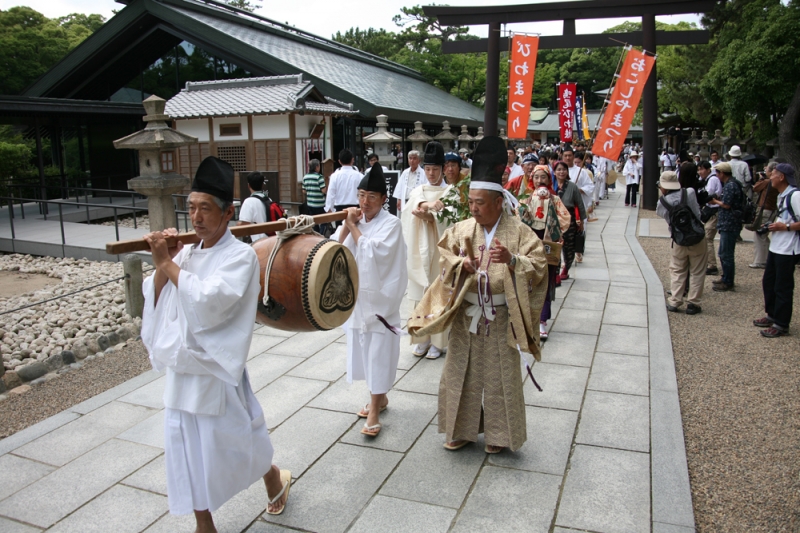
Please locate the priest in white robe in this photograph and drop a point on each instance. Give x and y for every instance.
(375, 237)
(200, 307)
(422, 232)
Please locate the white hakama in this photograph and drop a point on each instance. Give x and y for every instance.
(216, 440)
(372, 350)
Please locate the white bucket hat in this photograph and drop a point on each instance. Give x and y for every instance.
(669, 181)
(735, 151)
(634, 154)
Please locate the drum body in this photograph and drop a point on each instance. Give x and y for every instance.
(313, 283)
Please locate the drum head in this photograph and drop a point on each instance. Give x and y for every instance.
(330, 292)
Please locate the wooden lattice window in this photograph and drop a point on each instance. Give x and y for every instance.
(168, 161)
(235, 156)
(230, 129)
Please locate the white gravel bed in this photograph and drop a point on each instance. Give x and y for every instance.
(142, 222)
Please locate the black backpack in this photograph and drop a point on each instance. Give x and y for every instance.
(748, 211)
(685, 228)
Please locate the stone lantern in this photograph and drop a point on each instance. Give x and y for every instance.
(446, 137)
(465, 139)
(503, 135)
(153, 181)
(419, 139)
(480, 135)
(692, 142)
(732, 139)
(702, 147)
(382, 141)
(717, 143)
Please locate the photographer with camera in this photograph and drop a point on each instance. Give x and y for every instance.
(713, 189)
(729, 225)
(767, 203)
(784, 252)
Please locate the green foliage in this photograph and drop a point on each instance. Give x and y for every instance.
(376, 42)
(247, 5)
(456, 203)
(30, 43)
(14, 159)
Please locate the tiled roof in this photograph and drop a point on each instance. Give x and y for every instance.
(264, 95)
(550, 123)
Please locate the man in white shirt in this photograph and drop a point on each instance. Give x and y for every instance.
(410, 179)
(714, 158)
(200, 307)
(713, 187)
(784, 251)
(253, 210)
(516, 170)
(741, 170)
(464, 153)
(343, 184)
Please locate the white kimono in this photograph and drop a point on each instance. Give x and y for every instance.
(584, 182)
(216, 439)
(422, 238)
(632, 171)
(373, 351)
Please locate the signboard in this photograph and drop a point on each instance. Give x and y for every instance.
(566, 111)
(520, 83)
(391, 177)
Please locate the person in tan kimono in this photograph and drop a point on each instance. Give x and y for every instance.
(490, 291)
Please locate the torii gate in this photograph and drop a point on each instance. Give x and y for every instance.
(569, 12)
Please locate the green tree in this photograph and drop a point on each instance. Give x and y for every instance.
(247, 5)
(377, 42)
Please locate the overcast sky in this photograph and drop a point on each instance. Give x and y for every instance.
(325, 17)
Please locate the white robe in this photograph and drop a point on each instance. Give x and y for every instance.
(216, 439)
(422, 238)
(584, 182)
(632, 171)
(372, 350)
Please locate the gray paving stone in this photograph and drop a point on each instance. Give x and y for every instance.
(504, 500)
(625, 374)
(273, 332)
(619, 259)
(581, 321)
(402, 516)
(550, 433)
(627, 295)
(606, 490)
(588, 285)
(660, 527)
(407, 358)
(306, 344)
(419, 477)
(150, 395)
(625, 315)
(623, 340)
(626, 273)
(151, 477)
(76, 483)
(615, 421)
(9, 526)
(562, 386)
(35, 431)
(285, 396)
(405, 419)
(585, 271)
(593, 301)
(18, 473)
(335, 490)
(424, 377)
(672, 497)
(306, 435)
(569, 349)
(112, 394)
(78, 437)
(149, 431)
(662, 360)
(121, 510)
(262, 343)
(266, 368)
(329, 364)
(343, 396)
(265, 527)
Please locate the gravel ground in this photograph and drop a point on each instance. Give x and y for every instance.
(740, 402)
(52, 397)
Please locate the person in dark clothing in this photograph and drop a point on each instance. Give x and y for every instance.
(729, 224)
(571, 198)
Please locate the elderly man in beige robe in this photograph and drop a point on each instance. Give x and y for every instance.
(422, 232)
(490, 291)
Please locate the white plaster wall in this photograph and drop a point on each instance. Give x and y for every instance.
(304, 124)
(230, 120)
(267, 127)
(196, 127)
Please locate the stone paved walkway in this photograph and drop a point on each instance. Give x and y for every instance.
(605, 450)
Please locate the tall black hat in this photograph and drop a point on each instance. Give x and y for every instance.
(215, 177)
(434, 154)
(489, 160)
(374, 181)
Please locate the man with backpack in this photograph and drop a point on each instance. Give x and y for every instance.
(258, 207)
(784, 253)
(729, 225)
(680, 209)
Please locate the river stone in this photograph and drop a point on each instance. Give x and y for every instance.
(80, 351)
(11, 380)
(103, 343)
(54, 362)
(2, 370)
(93, 346)
(68, 357)
(32, 371)
(113, 338)
(2, 386)
(123, 334)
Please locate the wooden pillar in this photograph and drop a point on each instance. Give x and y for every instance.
(293, 156)
(492, 80)
(212, 146)
(251, 147)
(650, 121)
(40, 164)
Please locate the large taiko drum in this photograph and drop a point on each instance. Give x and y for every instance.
(313, 283)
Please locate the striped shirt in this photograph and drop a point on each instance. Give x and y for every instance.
(313, 184)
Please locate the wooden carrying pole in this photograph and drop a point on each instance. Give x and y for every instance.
(140, 245)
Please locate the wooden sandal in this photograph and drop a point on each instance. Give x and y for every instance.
(369, 431)
(364, 413)
(286, 477)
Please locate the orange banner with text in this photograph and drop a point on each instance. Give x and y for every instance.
(520, 83)
(623, 104)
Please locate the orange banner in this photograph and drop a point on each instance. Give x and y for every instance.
(520, 84)
(622, 105)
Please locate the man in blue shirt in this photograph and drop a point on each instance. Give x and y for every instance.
(729, 224)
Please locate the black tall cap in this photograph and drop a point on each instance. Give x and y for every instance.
(374, 180)
(215, 177)
(489, 160)
(434, 154)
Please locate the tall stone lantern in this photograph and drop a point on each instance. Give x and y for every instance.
(419, 139)
(446, 137)
(465, 140)
(717, 143)
(702, 147)
(153, 181)
(382, 141)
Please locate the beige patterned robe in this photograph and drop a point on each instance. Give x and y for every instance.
(481, 386)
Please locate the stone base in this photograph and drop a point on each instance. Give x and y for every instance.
(159, 191)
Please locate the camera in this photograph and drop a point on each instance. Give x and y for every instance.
(763, 230)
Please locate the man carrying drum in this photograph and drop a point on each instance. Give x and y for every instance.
(375, 237)
(200, 306)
